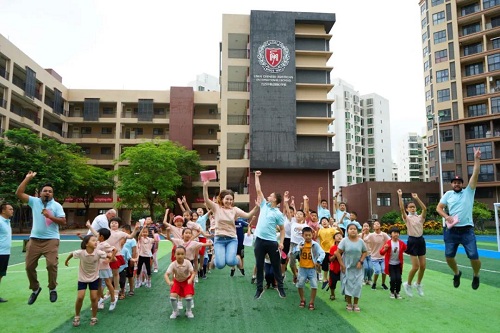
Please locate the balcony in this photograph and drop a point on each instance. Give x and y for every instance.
(238, 154)
(238, 119)
(25, 113)
(132, 135)
(4, 73)
(19, 82)
(57, 128)
(239, 53)
(238, 86)
(3, 103)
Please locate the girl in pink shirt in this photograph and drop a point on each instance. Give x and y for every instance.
(181, 284)
(145, 245)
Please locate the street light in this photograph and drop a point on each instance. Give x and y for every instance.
(430, 116)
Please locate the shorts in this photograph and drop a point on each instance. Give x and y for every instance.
(4, 263)
(378, 266)
(325, 265)
(203, 248)
(307, 274)
(118, 262)
(416, 246)
(240, 251)
(460, 235)
(182, 289)
(334, 278)
(105, 273)
(94, 285)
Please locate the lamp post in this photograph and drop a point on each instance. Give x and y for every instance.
(430, 116)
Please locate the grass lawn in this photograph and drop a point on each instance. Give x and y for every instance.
(226, 304)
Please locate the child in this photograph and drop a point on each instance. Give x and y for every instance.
(354, 216)
(124, 271)
(393, 251)
(296, 238)
(182, 284)
(88, 275)
(325, 236)
(131, 246)
(145, 245)
(367, 264)
(334, 264)
(311, 256)
(351, 253)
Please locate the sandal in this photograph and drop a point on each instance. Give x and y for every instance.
(332, 297)
(356, 308)
(302, 304)
(76, 321)
(311, 306)
(93, 321)
(349, 307)
(131, 293)
(121, 296)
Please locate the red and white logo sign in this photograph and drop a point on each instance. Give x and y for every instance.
(273, 56)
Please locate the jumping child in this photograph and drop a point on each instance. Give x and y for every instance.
(181, 284)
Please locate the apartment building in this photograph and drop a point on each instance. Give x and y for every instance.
(272, 112)
(411, 166)
(461, 58)
(362, 136)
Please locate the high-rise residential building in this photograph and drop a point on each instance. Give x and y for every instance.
(395, 168)
(461, 57)
(362, 136)
(272, 112)
(205, 82)
(411, 159)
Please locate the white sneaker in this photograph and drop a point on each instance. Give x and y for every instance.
(192, 304)
(100, 304)
(174, 315)
(112, 305)
(407, 289)
(392, 295)
(189, 314)
(179, 305)
(106, 297)
(138, 284)
(196, 279)
(155, 270)
(148, 284)
(419, 288)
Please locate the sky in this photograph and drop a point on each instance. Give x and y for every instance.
(157, 44)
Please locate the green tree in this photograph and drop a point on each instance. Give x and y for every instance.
(155, 170)
(391, 217)
(480, 214)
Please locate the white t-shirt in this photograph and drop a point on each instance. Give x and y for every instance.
(296, 232)
(100, 221)
(394, 253)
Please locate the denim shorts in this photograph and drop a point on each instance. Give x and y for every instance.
(460, 235)
(105, 273)
(378, 266)
(307, 274)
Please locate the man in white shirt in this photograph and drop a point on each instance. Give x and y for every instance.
(102, 221)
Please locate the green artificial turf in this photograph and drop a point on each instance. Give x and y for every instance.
(224, 304)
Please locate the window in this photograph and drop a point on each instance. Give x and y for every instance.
(426, 65)
(86, 150)
(431, 154)
(474, 69)
(383, 199)
(423, 8)
(432, 171)
(444, 115)
(438, 18)
(446, 135)
(440, 37)
(424, 22)
(371, 160)
(426, 51)
(469, 9)
(442, 76)
(447, 156)
(443, 95)
(428, 95)
(486, 151)
(427, 80)
(495, 105)
(424, 37)
(158, 131)
(86, 130)
(106, 151)
(473, 49)
(471, 29)
(159, 111)
(477, 132)
(107, 110)
(371, 151)
(448, 176)
(476, 89)
(441, 56)
(486, 173)
(370, 131)
(495, 43)
(490, 3)
(138, 130)
(107, 130)
(476, 110)
(436, 2)
(494, 62)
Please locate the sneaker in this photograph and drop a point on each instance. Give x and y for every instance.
(456, 279)
(148, 284)
(100, 304)
(242, 271)
(179, 305)
(393, 295)
(53, 296)
(3, 300)
(475, 282)
(419, 288)
(174, 314)
(232, 272)
(253, 280)
(396, 296)
(138, 284)
(106, 297)
(258, 293)
(155, 270)
(196, 279)
(112, 305)
(281, 292)
(33, 296)
(374, 286)
(384, 286)
(192, 303)
(189, 314)
(325, 283)
(407, 289)
(204, 277)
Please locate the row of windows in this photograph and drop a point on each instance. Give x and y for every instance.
(109, 130)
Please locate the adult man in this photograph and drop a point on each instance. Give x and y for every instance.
(6, 212)
(342, 217)
(460, 227)
(102, 220)
(374, 241)
(48, 215)
(270, 218)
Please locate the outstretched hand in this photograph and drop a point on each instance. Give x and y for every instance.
(30, 175)
(477, 153)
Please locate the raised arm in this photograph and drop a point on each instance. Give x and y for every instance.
(306, 206)
(258, 189)
(209, 203)
(286, 208)
(165, 218)
(184, 202)
(401, 204)
(22, 187)
(92, 230)
(475, 171)
(135, 232)
(335, 202)
(179, 201)
(422, 206)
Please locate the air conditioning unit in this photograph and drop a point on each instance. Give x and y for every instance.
(374, 216)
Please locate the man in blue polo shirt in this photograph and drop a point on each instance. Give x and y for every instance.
(48, 215)
(459, 225)
(270, 218)
(6, 212)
